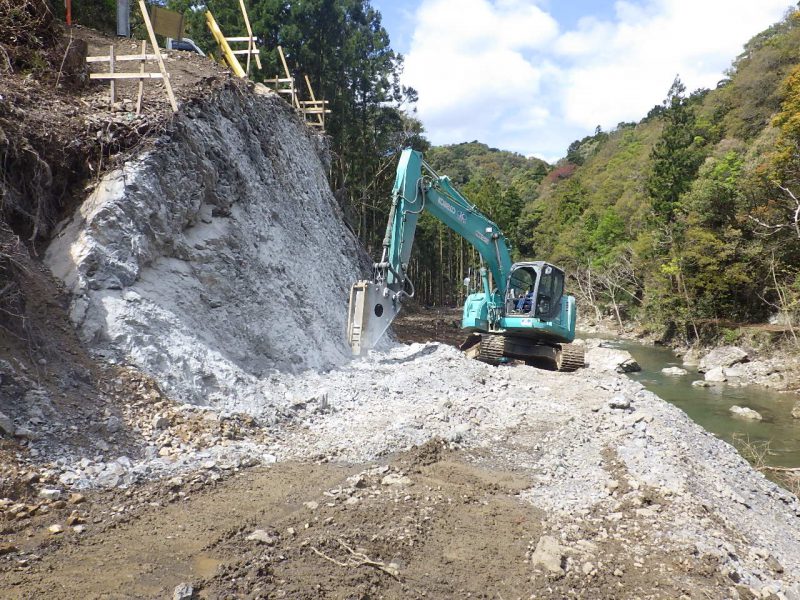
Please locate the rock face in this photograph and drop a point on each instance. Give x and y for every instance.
(6, 425)
(691, 358)
(217, 257)
(725, 356)
(745, 413)
(611, 359)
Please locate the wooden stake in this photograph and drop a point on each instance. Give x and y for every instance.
(157, 52)
(141, 81)
(295, 102)
(250, 43)
(321, 116)
(111, 71)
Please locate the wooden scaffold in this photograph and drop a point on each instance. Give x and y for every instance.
(313, 110)
(230, 55)
(113, 75)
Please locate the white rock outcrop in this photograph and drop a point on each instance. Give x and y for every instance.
(724, 356)
(611, 359)
(217, 257)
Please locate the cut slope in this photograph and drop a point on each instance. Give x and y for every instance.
(217, 257)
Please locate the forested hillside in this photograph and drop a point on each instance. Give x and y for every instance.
(685, 218)
(690, 216)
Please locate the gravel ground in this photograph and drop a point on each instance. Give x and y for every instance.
(627, 491)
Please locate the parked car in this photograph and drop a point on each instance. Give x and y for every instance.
(185, 44)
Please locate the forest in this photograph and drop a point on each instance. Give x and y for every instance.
(690, 217)
(685, 219)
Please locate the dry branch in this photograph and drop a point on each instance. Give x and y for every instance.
(358, 559)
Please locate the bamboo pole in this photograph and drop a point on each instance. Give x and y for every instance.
(230, 58)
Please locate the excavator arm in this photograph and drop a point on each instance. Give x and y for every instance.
(417, 188)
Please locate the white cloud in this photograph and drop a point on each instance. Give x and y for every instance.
(466, 60)
(501, 71)
(617, 70)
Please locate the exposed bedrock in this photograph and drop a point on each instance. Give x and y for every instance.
(216, 257)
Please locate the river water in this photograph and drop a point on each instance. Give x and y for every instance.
(709, 406)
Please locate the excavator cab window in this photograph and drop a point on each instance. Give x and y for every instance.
(550, 290)
(521, 286)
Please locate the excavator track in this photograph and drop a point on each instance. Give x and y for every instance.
(571, 358)
(491, 349)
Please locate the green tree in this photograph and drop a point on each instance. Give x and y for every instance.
(675, 157)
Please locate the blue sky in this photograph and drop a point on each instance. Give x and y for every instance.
(534, 75)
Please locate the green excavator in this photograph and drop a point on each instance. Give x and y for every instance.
(521, 311)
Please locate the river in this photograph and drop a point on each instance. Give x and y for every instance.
(709, 406)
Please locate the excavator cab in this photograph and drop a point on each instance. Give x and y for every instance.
(534, 289)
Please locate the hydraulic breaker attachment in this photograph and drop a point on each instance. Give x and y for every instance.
(373, 307)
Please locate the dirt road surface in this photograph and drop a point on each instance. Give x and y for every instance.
(426, 524)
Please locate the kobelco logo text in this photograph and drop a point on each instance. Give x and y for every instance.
(446, 205)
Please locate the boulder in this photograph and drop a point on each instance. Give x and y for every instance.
(262, 537)
(676, 371)
(620, 402)
(725, 356)
(702, 383)
(691, 358)
(549, 555)
(183, 591)
(716, 375)
(611, 359)
(734, 371)
(745, 413)
(796, 410)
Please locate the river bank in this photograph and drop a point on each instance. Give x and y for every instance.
(764, 355)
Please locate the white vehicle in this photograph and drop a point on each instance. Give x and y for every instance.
(185, 44)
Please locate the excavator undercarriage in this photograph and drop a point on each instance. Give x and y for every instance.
(493, 349)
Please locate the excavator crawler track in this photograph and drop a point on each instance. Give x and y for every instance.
(491, 349)
(571, 357)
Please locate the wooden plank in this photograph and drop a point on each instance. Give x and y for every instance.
(254, 52)
(122, 57)
(157, 52)
(289, 77)
(283, 61)
(240, 39)
(167, 22)
(115, 76)
(111, 72)
(251, 45)
(230, 58)
(140, 95)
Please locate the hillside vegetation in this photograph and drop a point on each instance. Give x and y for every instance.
(690, 216)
